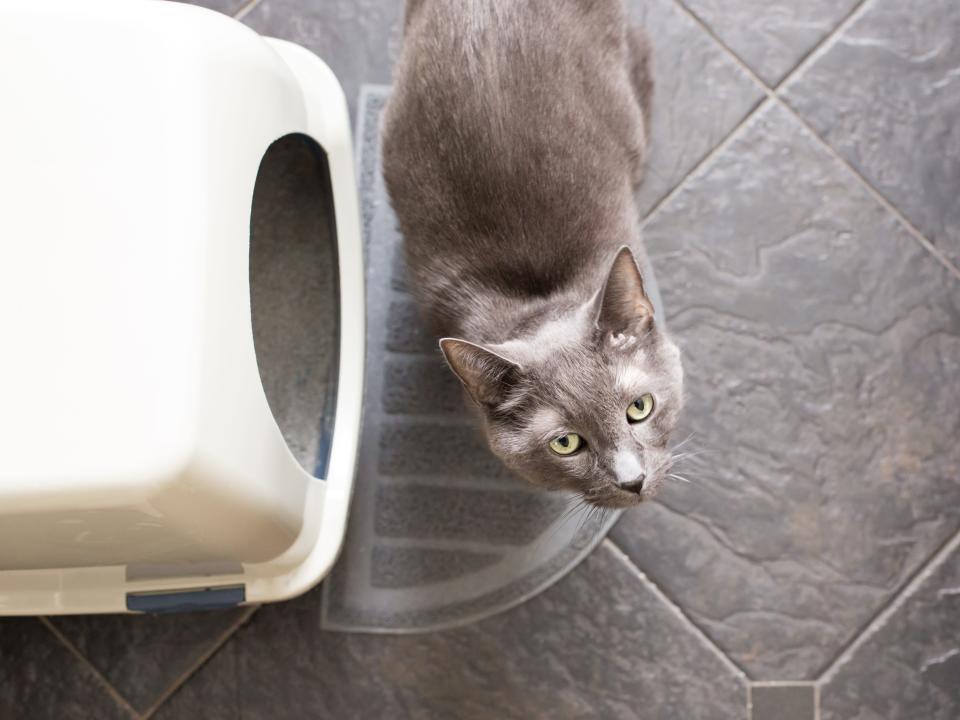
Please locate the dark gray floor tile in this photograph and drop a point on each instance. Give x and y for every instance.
(887, 97)
(601, 643)
(822, 347)
(142, 655)
(214, 692)
(909, 666)
(358, 39)
(40, 678)
(771, 36)
(782, 702)
(700, 95)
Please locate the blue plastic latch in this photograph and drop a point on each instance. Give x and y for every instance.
(214, 598)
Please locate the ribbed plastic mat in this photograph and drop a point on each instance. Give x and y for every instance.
(440, 534)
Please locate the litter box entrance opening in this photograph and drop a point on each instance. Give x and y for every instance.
(295, 294)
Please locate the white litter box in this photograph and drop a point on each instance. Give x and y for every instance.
(141, 467)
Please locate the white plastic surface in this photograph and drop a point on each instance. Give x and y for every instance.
(137, 449)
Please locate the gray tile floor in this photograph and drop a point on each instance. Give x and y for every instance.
(804, 221)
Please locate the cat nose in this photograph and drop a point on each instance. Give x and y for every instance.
(635, 485)
(628, 470)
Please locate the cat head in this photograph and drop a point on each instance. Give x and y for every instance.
(588, 402)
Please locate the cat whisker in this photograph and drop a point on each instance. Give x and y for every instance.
(595, 514)
(583, 519)
(665, 464)
(681, 478)
(573, 509)
(572, 502)
(587, 517)
(688, 455)
(684, 441)
(601, 522)
(574, 506)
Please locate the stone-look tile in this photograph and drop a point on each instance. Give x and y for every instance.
(142, 655)
(822, 348)
(40, 679)
(782, 702)
(358, 39)
(771, 36)
(886, 96)
(909, 666)
(601, 643)
(700, 95)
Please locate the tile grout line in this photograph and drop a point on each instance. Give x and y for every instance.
(824, 44)
(725, 142)
(678, 611)
(774, 94)
(248, 7)
(180, 681)
(911, 229)
(100, 678)
(703, 162)
(815, 54)
(819, 48)
(783, 683)
(892, 605)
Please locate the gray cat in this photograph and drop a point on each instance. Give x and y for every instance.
(512, 146)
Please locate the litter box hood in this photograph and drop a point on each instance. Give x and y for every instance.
(141, 467)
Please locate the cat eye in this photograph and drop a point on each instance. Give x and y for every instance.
(566, 444)
(640, 409)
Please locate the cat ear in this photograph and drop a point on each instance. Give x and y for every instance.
(623, 306)
(486, 375)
